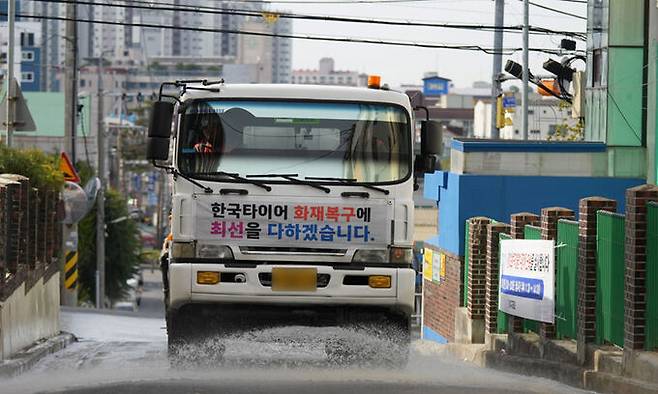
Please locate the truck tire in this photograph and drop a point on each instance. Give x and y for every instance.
(191, 340)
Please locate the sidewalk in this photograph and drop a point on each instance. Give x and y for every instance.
(557, 360)
(26, 359)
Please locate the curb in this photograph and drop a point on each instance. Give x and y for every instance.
(572, 375)
(569, 374)
(26, 359)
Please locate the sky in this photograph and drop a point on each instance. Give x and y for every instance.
(401, 65)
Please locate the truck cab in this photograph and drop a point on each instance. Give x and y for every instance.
(291, 204)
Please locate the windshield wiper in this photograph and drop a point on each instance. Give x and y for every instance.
(348, 181)
(205, 188)
(236, 177)
(293, 179)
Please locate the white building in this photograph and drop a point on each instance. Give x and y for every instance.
(545, 116)
(326, 74)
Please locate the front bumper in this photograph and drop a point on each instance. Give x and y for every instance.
(334, 291)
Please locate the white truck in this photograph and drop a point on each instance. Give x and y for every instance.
(291, 205)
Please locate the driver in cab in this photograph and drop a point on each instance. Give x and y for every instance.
(209, 131)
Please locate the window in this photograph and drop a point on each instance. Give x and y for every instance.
(27, 56)
(27, 76)
(367, 142)
(83, 83)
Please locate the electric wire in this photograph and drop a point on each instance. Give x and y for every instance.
(557, 10)
(428, 45)
(159, 6)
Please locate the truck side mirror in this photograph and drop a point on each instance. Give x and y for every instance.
(431, 144)
(431, 138)
(159, 130)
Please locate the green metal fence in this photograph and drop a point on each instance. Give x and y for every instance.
(502, 316)
(566, 280)
(651, 332)
(531, 232)
(610, 234)
(466, 257)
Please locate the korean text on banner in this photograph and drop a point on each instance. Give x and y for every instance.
(527, 279)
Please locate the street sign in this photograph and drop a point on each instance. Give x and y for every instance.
(75, 203)
(509, 101)
(527, 279)
(23, 119)
(66, 167)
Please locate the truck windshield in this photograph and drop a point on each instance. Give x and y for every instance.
(369, 143)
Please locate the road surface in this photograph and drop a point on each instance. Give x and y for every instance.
(123, 352)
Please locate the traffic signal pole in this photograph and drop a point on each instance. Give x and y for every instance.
(497, 66)
(526, 72)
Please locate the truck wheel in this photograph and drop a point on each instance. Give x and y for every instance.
(177, 337)
(191, 340)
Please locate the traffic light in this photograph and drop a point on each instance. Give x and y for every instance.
(500, 112)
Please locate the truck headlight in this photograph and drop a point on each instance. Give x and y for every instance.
(211, 251)
(401, 255)
(182, 250)
(370, 256)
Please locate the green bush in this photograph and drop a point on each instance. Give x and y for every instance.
(41, 168)
(122, 250)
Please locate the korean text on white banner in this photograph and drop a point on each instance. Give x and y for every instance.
(527, 279)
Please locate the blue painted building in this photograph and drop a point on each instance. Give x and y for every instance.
(4, 8)
(500, 193)
(496, 179)
(30, 77)
(436, 86)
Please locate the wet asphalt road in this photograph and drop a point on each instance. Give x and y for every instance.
(122, 352)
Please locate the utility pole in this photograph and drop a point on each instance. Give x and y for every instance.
(497, 64)
(100, 199)
(119, 152)
(11, 92)
(71, 80)
(526, 72)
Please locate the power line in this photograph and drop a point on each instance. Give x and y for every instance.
(573, 1)
(558, 11)
(478, 48)
(332, 1)
(151, 5)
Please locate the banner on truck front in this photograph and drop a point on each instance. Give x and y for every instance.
(527, 279)
(303, 222)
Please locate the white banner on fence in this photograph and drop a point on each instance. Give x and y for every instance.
(527, 279)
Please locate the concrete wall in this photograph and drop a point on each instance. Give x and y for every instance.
(26, 317)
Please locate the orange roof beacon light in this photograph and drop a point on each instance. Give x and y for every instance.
(374, 81)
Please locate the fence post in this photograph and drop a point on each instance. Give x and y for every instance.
(477, 264)
(518, 222)
(635, 256)
(549, 219)
(587, 209)
(491, 288)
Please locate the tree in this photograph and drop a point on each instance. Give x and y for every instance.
(41, 168)
(122, 247)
